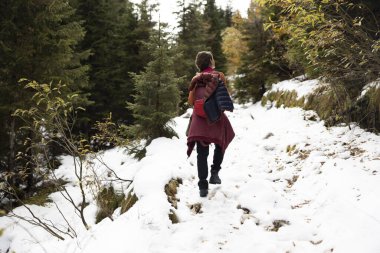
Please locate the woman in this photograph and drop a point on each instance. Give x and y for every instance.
(201, 132)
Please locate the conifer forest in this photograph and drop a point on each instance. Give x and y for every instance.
(80, 79)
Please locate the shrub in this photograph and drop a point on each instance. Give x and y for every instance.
(366, 110)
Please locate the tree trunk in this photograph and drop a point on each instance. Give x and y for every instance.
(12, 141)
(29, 165)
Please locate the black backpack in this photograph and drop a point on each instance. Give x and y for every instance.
(218, 102)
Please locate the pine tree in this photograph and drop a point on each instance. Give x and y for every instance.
(190, 40)
(114, 34)
(157, 94)
(228, 13)
(39, 41)
(103, 26)
(142, 33)
(264, 62)
(215, 18)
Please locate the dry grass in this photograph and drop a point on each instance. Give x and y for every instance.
(334, 104)
(107, 200)
(128, 202)
(171, 191)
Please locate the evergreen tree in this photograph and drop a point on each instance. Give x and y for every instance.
(190, 40)
(157, 94)
(105, 22)
(264, 62)
(228, 13)
(216, 20)
(142, 33)
(114, 34)
(38, 41)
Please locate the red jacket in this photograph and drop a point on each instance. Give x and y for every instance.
(220, 132)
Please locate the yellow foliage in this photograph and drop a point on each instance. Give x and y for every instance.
(237, 20)
(233, 47)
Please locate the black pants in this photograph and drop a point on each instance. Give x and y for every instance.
(203, 152)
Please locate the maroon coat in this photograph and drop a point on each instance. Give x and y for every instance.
(200, 129)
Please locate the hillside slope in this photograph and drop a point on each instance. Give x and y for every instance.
(289, 184)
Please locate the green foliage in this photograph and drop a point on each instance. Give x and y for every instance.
(108, 134)
(107, 201)
(41, 195)
(39, 41)
(215, 19)
(137, 149)
(191, 39)
(264, 62)
(50, 120)
(338, 39)
(115, 35)
(200, 26)
(157, 94)
(49, 106)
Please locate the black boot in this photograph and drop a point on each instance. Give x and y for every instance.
(203, 192)
(203, 187)
(215, 167)
(215, 179)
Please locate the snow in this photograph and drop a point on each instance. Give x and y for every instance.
(367, 87)
(323, 194)
(298, 84)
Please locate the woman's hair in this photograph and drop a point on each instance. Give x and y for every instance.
(203, 60)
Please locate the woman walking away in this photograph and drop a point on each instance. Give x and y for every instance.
(201, 131)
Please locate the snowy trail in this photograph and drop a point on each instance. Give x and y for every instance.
(289, 184)
(314, 198)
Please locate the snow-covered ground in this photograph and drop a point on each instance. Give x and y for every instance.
(289, 184)
(301, 85)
